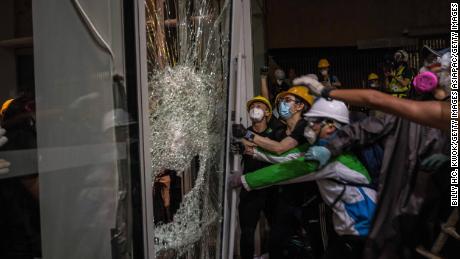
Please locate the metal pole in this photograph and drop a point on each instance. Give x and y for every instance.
(240, 88)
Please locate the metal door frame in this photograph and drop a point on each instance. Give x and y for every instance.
(136, 76)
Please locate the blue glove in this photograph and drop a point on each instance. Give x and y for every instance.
(318, 153)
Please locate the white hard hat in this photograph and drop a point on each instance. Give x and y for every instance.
(313, 76)
(445, 60)
(334, 109)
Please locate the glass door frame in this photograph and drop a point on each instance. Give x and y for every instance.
(136, 80)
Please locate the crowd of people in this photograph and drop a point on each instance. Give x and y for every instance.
(333, 185)
(330, 184)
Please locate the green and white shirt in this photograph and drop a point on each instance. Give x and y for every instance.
(353, 206)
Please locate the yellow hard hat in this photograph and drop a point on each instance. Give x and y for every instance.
(259, 99)
(373, 76)
(299, 91)
(323, 63)
(5, 106)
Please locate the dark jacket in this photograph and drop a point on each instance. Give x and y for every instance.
(406, 144)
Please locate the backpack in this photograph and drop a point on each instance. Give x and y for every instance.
(371, 157)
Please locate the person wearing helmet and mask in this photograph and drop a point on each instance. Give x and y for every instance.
(278, 85)
(287, 144)
(19, 196)
(344, 184)
(253, 203)
(373, 81)
(4, 165)
(291, 105)
(435, 71)
(404, 184)
(398, 78)
(324, 74)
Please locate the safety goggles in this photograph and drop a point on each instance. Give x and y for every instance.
(323, 122)
(289, 100)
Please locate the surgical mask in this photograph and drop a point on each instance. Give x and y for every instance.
(374, 85)
(285, 110)
(324, 72)
(325, 141)
(310, 135)
(280, 82)
(280, 75)
(256, 114)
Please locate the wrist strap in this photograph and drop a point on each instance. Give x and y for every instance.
(249, 135)
(325, 92)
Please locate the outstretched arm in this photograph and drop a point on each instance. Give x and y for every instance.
(270, 157)
(430, 113)
(239, 131)
(264, 87)
(276, 147)
(278, 173)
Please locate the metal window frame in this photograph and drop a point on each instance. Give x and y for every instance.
(240, 89)
(136, 77)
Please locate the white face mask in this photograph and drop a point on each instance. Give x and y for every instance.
(444, 80)
(256, 114)
(374, 85)
(324, 72)
(310, 135)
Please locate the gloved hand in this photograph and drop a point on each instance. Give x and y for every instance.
(235, 181)
(249, 151)
(3, 139)
(318, 153)
(236, 147)
(315, 87)
(264, 71)
(239, 131)
(4, 166)
(434, 162)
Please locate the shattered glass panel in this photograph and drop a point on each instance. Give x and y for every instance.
(188, 55)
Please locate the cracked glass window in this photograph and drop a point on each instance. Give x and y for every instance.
(187, 58)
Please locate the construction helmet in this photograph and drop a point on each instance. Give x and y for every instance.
(5, 106)
(259, 99)
(299, 91)
(335, 110)
(323, 63)
(373, 76)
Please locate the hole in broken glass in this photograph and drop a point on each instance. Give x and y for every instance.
(169, 189)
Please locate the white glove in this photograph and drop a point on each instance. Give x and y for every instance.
(315, 87)
(4, 166)
(3, 139)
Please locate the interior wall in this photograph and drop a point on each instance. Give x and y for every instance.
(258, 41)
(7, 55)
(333, 23)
